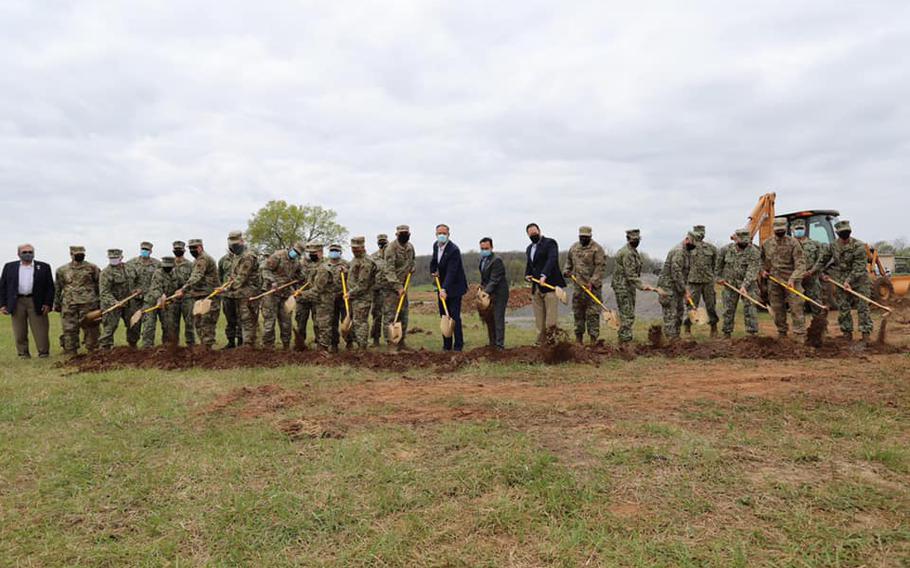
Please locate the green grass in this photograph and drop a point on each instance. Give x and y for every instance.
(123, 468)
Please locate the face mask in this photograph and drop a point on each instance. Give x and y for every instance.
(442, 239)
(293, 254)
(585, 241)
(27, 256)
(115, 261)
(167, 269)
(799, 233)
(145, 253)
(742, 245)
(334, 254)
(404, 237)
(844, 234)
(634, 243)
(79, 257)
(195, 252)
(486, 252)
(690, 246)
(780, 232)
(382, 244)
(534, 238)
(178, 252)
(237, 248)
(314, 257)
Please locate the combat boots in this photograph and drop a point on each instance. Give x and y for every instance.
(728, 335)
(579, 338)
(230, 344)
(848, 335)
(713, 330)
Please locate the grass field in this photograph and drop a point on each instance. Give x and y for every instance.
(649, 462)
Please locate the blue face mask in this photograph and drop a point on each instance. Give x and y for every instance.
(799, 233)
(145, 253)
(334, 254)
(293, 255)
(486, 252)
(443, 239)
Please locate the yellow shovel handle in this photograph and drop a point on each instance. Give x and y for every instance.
(120, 304)
(544, 284)
(158, 306)
(746, 296)
(273, 290)
(344, 288)
(300, 290)
(858, 295)
(793, 290)
(407, 282)
(589, 292)
(445, 308)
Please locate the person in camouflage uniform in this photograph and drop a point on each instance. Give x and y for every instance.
(363, 274)
(306, 308)
(379, 290)
(399, 262)
(116, 284)
(738, 264)
(338, 265)
(674, 275)
(817, 255)
(323, 293)
(165, 282)
(587, 262)
(782, 257)
(183, 267)
(202, 281)
(701, 278)
(626, 282)
(76, 294)
(244, 282)
(848, 267)
(280, 268)
(142, 267)
(229, 302)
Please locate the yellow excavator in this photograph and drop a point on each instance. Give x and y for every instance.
(820, 228)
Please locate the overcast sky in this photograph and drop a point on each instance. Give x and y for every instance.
(126, 121)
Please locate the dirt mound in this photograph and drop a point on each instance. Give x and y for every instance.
(425, 303)
(250, 402)
(519, 298)
(816, 331)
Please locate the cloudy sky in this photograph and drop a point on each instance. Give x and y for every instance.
(125, 121)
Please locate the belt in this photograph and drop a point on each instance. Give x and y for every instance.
(25, 295)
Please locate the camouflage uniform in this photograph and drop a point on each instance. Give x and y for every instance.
(323, 294)
(739, 267)
(363, 273)
(848, 266)
(701, 277)
(280, 268)
(379, 290)
(183, 267)
(782, 257)
(399, 262)
(626, 283)
(202, 281)
(76, 294)
(245, 283)
(306, 308)
(587, 263)
(116, 283)
(165, 282)
(673, 278)
(143, 269)
(817, 255)
(229, 302)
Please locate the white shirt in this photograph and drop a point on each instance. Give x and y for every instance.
(533, 251)
(26, 279)
(439, 251)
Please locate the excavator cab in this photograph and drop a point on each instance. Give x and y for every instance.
(819, 223)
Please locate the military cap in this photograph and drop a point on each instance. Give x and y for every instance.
(235, 236)
(692, 235)
(178, 245)
(780, 223)
(698, 228)
(382, 237)
(358, 241)
(632, 233)
(76, 249)
(842, 225)
(114, 253)
(315, 245)
(146, 245)
(584, 231)
(194, 243)
(402, 229)
(300, 246)
(742, 235)
(335, 246)
(167, 261)
(797, 223)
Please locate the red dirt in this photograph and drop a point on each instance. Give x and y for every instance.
(250, 402)
(425, 303)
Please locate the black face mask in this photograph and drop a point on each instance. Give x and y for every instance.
(742, 245)
(195, 252)
(79, 257)
(382, 244)
(844, 234)
(237, 248)
(404, 237)
(167, 269)
(780, 233)
(314, 257)
(178, 252)
(634, 243)
(26, 256)
(690, 246)
(585, 241)
(534, 238)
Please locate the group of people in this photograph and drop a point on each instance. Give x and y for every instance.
(371, 290)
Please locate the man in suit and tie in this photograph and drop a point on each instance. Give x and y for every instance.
(543, 264)
(446, 265)
(493, 281)
(27, 293)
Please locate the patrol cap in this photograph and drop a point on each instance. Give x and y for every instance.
(402, 229)
(742, 235)
(358, 242)
(698, 228)
(335, 246)
(584, 231)
(179, 245)
(692, 235)
(315, 245)
(798, 223)
(842, 225)
(114, 253)
(235, 236)
(300, 247)
(146, 245)
(76, 249)
(194, 243)
(382, 237)
(780, 223)
(633, 233)
(167, 261)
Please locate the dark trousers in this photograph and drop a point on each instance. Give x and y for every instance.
(495, 319)
(232, 315)
(454, 305)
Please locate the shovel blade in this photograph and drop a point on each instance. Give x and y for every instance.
(561, 295)
(135, 318)
(290, 304)
(92, 318)
(202, 307)
(447, 326)
(346, 324)
(610, 318)
(699, 316)
(395, 333)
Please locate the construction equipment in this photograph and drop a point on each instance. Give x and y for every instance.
(796, 292)
(395, 332)
(347, 322)
(291, 303)
(93, 318)
(272, 291)
(446, 323)
(860, 296)
(749, 298)
(204, 306)
(560, 292)
(697, 314)
(609, 317)
(137, 315)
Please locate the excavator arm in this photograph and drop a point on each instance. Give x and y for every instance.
(761, 220)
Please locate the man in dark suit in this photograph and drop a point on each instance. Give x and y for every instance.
(493, 281)
(446, 264)
(27, 293)
(543, 264)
